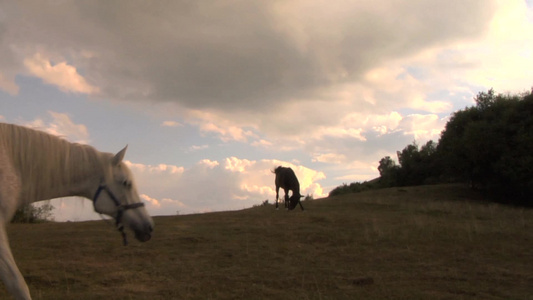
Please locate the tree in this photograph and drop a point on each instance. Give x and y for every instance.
(417, 166)
(428, 150)
(388, 171)
(386, 164)
(409, 157)
(451, 149)
(413, 170)
(485, 100)
(489, 145)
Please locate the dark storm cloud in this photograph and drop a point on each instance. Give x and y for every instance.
(228, 55)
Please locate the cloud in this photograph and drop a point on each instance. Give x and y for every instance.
(234, 164)
(226, 130)
(201, 56)
(62, 75)
(208, 185)
(230, 133)
(423, 127)
(160, 169)
(155, 204)
(262, 143)
(198, 147)
(209, 163)
(151, 201)
(171, 124)
(270, 71)
(8, 85)
(334, 158)
(61, 125)
(500, 58)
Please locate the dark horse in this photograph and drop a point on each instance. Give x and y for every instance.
(286, 179)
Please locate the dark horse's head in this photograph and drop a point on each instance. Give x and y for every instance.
(294, 200)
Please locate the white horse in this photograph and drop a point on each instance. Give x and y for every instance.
(37, 166)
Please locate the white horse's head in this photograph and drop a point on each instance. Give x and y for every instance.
(117, 197)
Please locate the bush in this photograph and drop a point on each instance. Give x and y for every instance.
(31, 213)
(264, 203)
(354, 187)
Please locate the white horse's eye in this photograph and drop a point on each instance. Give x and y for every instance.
(126, 184)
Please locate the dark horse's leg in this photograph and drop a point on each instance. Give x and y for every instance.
(301, 206)
(286, 198)
(277, 196)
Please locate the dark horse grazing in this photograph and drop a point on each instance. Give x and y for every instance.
(286, 179)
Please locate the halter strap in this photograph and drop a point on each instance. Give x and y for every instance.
(103, 187)
(121, 208)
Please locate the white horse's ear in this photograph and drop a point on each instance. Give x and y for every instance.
(119, 156)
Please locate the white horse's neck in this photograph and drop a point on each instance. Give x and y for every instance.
(82, 182)
(85, 188)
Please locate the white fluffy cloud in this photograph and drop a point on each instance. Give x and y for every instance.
(62, 125)
(423, 127)
(215, 185)
(62, 75)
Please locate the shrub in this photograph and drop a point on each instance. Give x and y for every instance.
(31, 213)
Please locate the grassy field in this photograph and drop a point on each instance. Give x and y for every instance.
(431, 242)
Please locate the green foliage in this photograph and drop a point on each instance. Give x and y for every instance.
(31, 213)
(417, 166)
(388, 171)
(489, 145)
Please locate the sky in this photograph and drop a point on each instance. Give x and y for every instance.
(210, 96)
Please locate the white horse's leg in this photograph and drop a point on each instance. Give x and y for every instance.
(9, 271)
(9, 196)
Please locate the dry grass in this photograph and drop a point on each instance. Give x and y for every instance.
(413, 243)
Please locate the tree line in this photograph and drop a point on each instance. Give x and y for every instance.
(488, 145)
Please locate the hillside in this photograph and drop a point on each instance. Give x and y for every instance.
(435, 242)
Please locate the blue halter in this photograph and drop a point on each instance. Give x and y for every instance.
(121, 208)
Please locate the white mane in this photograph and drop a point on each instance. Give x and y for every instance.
(45, 162)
